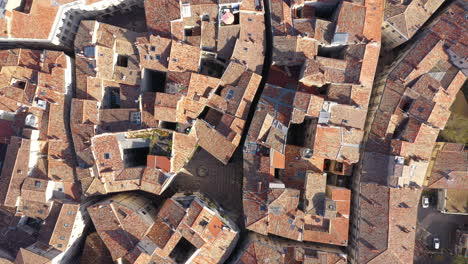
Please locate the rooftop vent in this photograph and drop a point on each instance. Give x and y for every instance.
(306, 153)
(31, 120)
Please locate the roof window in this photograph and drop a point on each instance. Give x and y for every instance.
(122, 61)
(230, 94)
(107, 155)
(37, 184)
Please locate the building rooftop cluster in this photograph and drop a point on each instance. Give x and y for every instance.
(258, 249)
(416, 95)
(183, 229)
(306, 133)
(402, 19)
(37, 167)
(142, 104)
(38, 161)
(130, 110)
(145, 103)
(55, 22)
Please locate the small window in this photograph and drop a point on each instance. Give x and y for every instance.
(122, 61)
(69, 213)
(158, 57)
(151, 57)
(62, 238)
(107, 155)
(59, 245)
(37, 184)
(66, 225)
(230, 94)
(60, 189)
(25, 207)
(40, 211)
(246, 49)
(145, 57)
(249, 19)
(153, 48)
(175, 60)
(421, 109)
(249, 34)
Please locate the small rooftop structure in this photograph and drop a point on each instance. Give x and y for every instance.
(185, 227)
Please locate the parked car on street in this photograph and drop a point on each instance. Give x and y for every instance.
(425, 202)
(436, 243)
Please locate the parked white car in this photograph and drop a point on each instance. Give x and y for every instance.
(436, 243)
(425, 202)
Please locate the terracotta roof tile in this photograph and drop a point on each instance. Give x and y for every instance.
(184, 57)
(450, 168)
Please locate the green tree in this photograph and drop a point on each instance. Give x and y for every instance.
(456, 129)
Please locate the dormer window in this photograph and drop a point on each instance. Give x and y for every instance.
(153, 48)
(37, 184)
